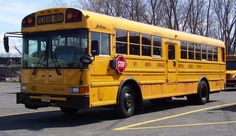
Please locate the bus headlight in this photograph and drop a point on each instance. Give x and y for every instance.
(23, 88)
(74, 90)
(79, 90)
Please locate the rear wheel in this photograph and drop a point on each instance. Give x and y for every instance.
(126, 104)
(202, 97)
(69, 111)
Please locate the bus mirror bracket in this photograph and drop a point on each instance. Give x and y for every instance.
(6, 39)
(9, 62)
(95, 48)
(6, 43)
(85, 60)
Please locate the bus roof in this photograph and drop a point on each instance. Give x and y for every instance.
(125, 24)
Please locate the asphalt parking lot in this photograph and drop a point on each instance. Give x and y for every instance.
(176, 118)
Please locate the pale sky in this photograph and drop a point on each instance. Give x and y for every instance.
(13, 11)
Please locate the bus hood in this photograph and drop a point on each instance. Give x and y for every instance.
(50, 76)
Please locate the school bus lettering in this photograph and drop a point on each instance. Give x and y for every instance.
(100, 27)
(148, 64)
(50, 19)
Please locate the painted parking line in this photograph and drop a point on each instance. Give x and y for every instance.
(173, 116)
(182, 125)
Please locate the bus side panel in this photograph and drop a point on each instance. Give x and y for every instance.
(197, 70)
(186, 88)
(104, 82)
(153, 91)
(101, 96)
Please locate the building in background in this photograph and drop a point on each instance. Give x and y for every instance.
(12, 71)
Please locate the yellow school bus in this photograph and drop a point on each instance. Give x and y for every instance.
(230, 72)
(76, 59)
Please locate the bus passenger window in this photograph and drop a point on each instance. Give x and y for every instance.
(191, 51)
(157, 48)
(184, 50)
(215, 54)
(209, 53)
(146, 45)
(204, 52)
(104, 42)
(171, 52)
(198, 52)
(134, 43)
(121, 41)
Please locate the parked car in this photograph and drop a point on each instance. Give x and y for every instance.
(2, 78)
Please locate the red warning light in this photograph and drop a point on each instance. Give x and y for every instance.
(75, 15)
(69, 16)
(30, 21)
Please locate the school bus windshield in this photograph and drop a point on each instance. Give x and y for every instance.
(55, 49)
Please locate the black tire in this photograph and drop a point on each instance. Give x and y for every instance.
(69, 111)
(202, 97)
(126, 103)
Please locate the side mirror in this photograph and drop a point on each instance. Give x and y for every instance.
(9, 62)
(86, 60)
(95, 48)
(6, 43)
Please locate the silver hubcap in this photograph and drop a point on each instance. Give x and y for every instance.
(204, 93)
(128, 102)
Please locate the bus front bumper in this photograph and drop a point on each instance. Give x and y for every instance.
(34, 101)
(230, 85)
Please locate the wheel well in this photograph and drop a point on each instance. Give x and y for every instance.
(205, 79)
(137, 90)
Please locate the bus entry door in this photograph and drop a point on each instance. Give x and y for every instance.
(171, 64)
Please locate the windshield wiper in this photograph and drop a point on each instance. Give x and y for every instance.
(39, 62)
(56, 64)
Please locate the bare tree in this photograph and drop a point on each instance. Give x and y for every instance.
(208, 18)
(171, 19)
(226, 16)
(212, 18)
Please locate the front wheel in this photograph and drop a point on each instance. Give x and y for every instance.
(69, 111)
(126, 104)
